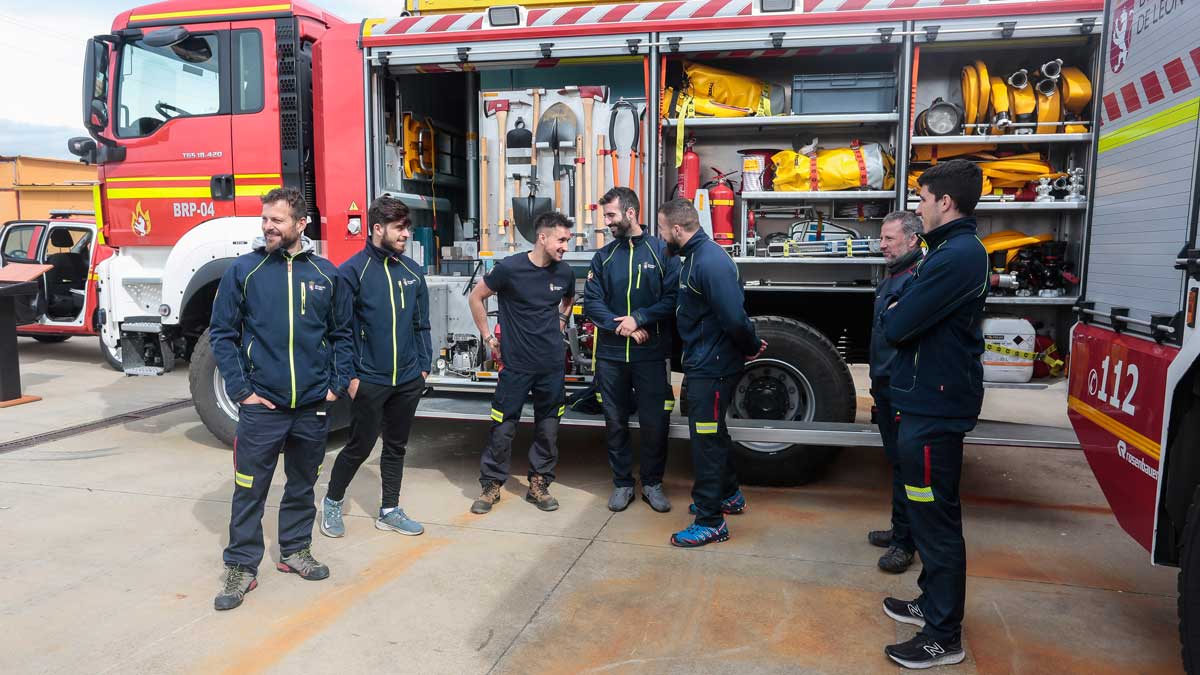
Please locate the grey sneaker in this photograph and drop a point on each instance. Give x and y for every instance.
(235, 584)
(896, 560)
(331, 518)
(303, 563)
(656, 497)
(397, 521)
(620, 499)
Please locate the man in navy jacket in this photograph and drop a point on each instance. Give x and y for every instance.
(937, 387)
(393, 351)
(630, 296)
(280, 333)
(900, 245)
(718, 339)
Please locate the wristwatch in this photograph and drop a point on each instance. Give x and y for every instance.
(564, 317)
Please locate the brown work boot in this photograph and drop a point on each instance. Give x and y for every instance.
(539, 493)
(489, 496)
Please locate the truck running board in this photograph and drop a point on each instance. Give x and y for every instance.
(477, 408)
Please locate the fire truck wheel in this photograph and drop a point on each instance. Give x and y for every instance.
(213, 405)
(112, 355)
(51, 339)
(801, 377)
(1189, 588)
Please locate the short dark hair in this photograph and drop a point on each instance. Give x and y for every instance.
(550, 220)
(626, 199)
(680, 212)
(293, 197)
(386, 210)
(960, 179)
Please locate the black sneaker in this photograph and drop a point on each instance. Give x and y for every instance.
(925, 652)
(903, 611)
(896, 560)
(880, 538)
(235, 584)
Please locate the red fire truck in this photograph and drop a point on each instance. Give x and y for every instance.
(1134, 391)
(198, 107)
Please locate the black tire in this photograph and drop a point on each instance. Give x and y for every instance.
(811, 354)
(51, 339)
(1189, 589)
(204, 379)
(111, 357)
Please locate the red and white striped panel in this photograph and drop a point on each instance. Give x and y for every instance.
(1173, 77)
(674, 10)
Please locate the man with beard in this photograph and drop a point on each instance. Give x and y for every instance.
(630, 296)
(280, 333)
(938, 398)
(393, 353)
(535, 292)
(718, 338)
(900, 244)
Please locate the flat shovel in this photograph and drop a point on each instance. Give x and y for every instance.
(557, 129)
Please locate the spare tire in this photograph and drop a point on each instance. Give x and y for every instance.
(800, 377)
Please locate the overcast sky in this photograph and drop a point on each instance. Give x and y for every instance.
(41, 47)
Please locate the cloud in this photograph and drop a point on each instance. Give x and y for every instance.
(36, 140)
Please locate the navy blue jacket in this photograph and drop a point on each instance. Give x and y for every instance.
(632, 277)
(392, 343)
(717, 334)
(936, 327)
(281, 328)
(890, 288)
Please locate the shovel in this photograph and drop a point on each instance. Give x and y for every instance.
(558, 127)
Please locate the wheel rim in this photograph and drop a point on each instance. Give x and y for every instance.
(226, 404)
(113, 352)
(774, 390)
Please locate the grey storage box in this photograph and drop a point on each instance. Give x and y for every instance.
(837, 93)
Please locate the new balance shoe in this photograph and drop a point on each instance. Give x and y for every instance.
(656, 497)
(925, 652)
(236, 582)
(730, 506)
(303, 563)
(880, 538)
(698, 535)
(331, 518)
(620, 499)
(398, 521)
(896, 560)
(904, 612)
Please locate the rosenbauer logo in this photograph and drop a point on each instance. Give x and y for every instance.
(1121, 37)
(1137, 462)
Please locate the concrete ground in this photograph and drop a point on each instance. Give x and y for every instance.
(112, 542)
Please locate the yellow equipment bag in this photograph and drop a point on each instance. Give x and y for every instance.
(858, 166)
(732, 89)
(677, 105)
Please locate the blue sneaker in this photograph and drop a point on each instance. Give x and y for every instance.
(731, 506)
(397, 521)
(331, 518)
(698, 535)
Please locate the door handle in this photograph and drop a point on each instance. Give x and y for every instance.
(221, 186)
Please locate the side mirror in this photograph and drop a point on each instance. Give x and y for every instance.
(166, 37)
(95, 85)
(83, 148)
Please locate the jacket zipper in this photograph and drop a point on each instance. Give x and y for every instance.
(628, 300)
(291, 332)
(392, 299)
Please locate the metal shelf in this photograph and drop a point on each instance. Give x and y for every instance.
(852, 195)
(1021, 206)
(1003, 139)
(1066, 300)
(784, 121)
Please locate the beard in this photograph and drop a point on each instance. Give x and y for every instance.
(396, 245)
(285, 240)
(622, 228)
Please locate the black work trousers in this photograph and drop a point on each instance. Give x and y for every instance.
(262, 435)
(378, 408)
(712, 449)
(549, 404)
(888, 420)
(616, 382)
(931, 454)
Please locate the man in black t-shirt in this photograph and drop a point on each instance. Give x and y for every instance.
(535, 291)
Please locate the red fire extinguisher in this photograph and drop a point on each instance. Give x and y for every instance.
(689, 171)
(721, 198)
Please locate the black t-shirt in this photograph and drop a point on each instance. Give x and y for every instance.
(530, 339)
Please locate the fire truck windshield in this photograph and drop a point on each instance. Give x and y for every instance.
(160, 83)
